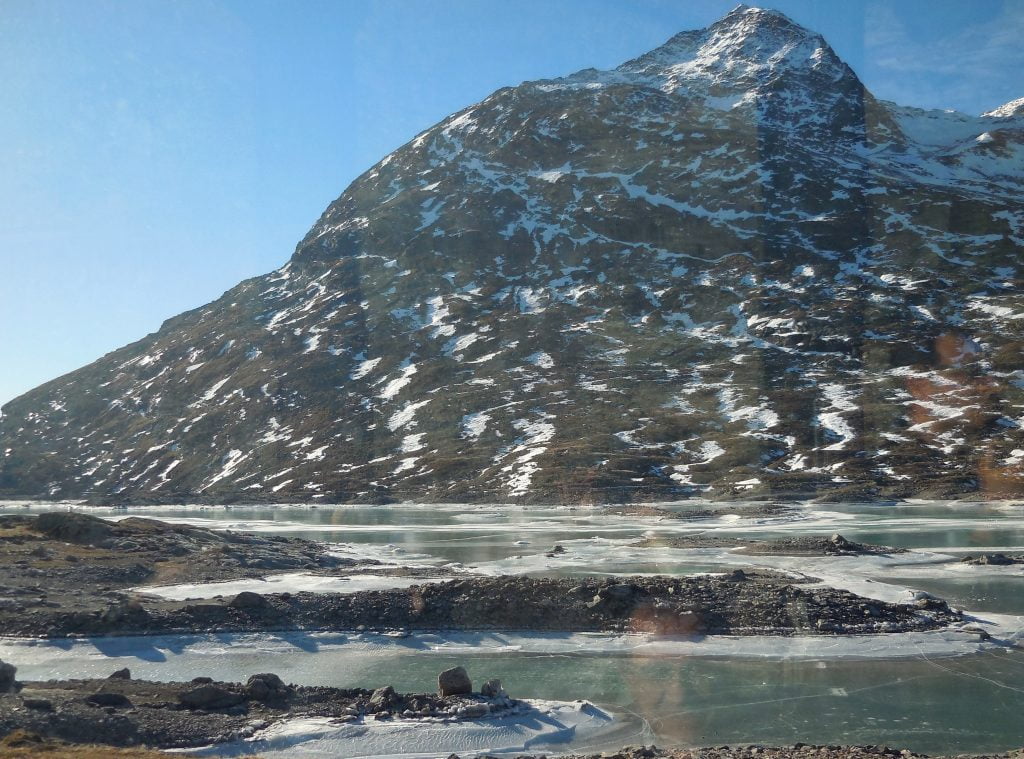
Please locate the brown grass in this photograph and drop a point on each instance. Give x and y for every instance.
(24, 745)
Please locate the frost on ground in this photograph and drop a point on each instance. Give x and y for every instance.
(539, 726)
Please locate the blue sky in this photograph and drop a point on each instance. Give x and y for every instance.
(153, 154)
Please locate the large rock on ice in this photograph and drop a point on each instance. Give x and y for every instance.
(454, 682)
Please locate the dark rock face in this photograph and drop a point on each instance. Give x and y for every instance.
(7, 682)
(454, 682)
(721, 268)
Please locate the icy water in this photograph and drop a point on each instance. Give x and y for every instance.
(936, 693)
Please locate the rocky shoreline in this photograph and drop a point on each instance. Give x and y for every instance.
(803, 545)
(123, 712)
(683, 511)
(796, 751)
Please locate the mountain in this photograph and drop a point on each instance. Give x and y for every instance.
(722, 269)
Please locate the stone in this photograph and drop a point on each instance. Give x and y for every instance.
(122, 612)
(266, 687)
(73, 527)
(383, 698)
(38, 704)
(841, 543)
(209, 696)
(620, 591)
(248, 600)
(976, 630)
(121, 674)
(690, 622)
(7, 682)
(115, 700)
(996, 559)
(492, 689)
(474, 710)
(454, 682)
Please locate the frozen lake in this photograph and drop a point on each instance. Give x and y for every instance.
(930, 692)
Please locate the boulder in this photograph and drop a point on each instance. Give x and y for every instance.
(7, 682)
(72, 527)
(623, 591)
(454, 682)
(116, 700)
(617, 596)
(473, 711)
(38, 704)
(995, 559)
(248, 600)
(123, 612)
(266, 687)
(383, 698)
(209, 696)
(121, 674)
(690, 622)
(838, 544)
(492, 689)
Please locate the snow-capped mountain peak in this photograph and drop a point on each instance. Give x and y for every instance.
(1013, 108)
(747, 49)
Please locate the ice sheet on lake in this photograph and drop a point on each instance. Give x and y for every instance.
(291, 582)
(345, 659)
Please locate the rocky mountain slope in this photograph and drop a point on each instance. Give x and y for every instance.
(722, 268)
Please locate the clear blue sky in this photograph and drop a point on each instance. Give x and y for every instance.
(153, 154)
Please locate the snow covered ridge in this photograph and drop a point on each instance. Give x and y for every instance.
(721, 268)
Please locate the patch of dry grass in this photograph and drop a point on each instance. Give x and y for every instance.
(23, 745)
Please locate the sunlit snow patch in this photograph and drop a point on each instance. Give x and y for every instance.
(295, 582)
(538, 725)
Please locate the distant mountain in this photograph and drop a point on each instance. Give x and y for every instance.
(721, 269)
